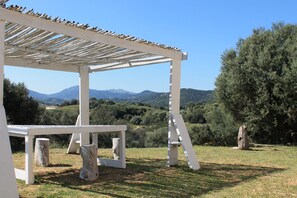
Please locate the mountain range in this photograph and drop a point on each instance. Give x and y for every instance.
(149, 97)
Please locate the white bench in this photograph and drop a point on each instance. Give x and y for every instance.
(29, 131)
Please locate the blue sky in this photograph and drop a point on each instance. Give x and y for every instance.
(203, 28)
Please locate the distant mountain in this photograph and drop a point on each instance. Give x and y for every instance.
(148, 97)
(37, 95)
(161, 99)
(73, 93)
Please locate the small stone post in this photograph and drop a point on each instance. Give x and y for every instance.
(42, 152)
(243, 141)
(89, 170)
(116, 148)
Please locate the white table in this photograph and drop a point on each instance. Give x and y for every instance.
(29, 131)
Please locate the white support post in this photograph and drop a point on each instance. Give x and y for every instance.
(84, 102)
(75, 138)
(177, 128)
(174, 105)
(29, 159)
(123, 149)
(174, 98)
(8, 185)
(172, 148)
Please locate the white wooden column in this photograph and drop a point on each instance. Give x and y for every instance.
(174, 98)
(177, 127)
(174, 106)
(8, 185)
(84, 102)
(29, 159)
(123, 149)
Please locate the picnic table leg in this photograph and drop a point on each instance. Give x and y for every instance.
(95, 139)
(29, 159)
(123, 149)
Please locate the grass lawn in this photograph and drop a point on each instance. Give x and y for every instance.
(269, 171)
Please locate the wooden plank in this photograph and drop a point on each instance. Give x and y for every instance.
(110, 163)
(66, 129)
(36, 22)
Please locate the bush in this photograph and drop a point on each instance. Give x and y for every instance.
(222, 126)
(201, 135)
(157, 138)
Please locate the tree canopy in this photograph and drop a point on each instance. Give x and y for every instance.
(20, 108)
(258, 83)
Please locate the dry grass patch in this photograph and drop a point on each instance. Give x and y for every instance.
(224, 173)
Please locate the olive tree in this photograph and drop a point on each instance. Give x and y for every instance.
(258, 83)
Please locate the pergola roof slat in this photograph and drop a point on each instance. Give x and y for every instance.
(44, 42)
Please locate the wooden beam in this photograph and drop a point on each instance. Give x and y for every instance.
(36, 22)
(18, 62)
(128, 65)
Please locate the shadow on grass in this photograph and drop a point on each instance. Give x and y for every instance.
(59, 165)
(147, 177)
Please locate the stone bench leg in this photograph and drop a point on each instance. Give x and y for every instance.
(42, 152)
(116, 148)
(89, 170)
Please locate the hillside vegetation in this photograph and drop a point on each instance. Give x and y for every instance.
(157, 99)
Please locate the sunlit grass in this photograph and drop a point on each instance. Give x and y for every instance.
(225, 172)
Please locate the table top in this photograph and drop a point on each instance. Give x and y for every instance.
(23, 130)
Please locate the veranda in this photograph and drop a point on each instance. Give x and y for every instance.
(33, 40)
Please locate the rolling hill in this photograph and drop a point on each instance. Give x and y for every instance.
(149, 97)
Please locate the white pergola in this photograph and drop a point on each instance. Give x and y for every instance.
(33, 40)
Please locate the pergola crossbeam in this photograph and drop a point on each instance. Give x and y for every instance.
(128, 64)
(18, 62)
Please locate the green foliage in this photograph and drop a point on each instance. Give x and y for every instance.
(136, 137)
(63, 116)
(20, 108)
(194, 113)
(220, 129)
(222, 126)
(258, 85)
(157, 138)
(160, 99)
(201, 135)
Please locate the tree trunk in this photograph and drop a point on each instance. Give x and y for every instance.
(42, 152)
(243, 141)
(89, 170)
(116, 148)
